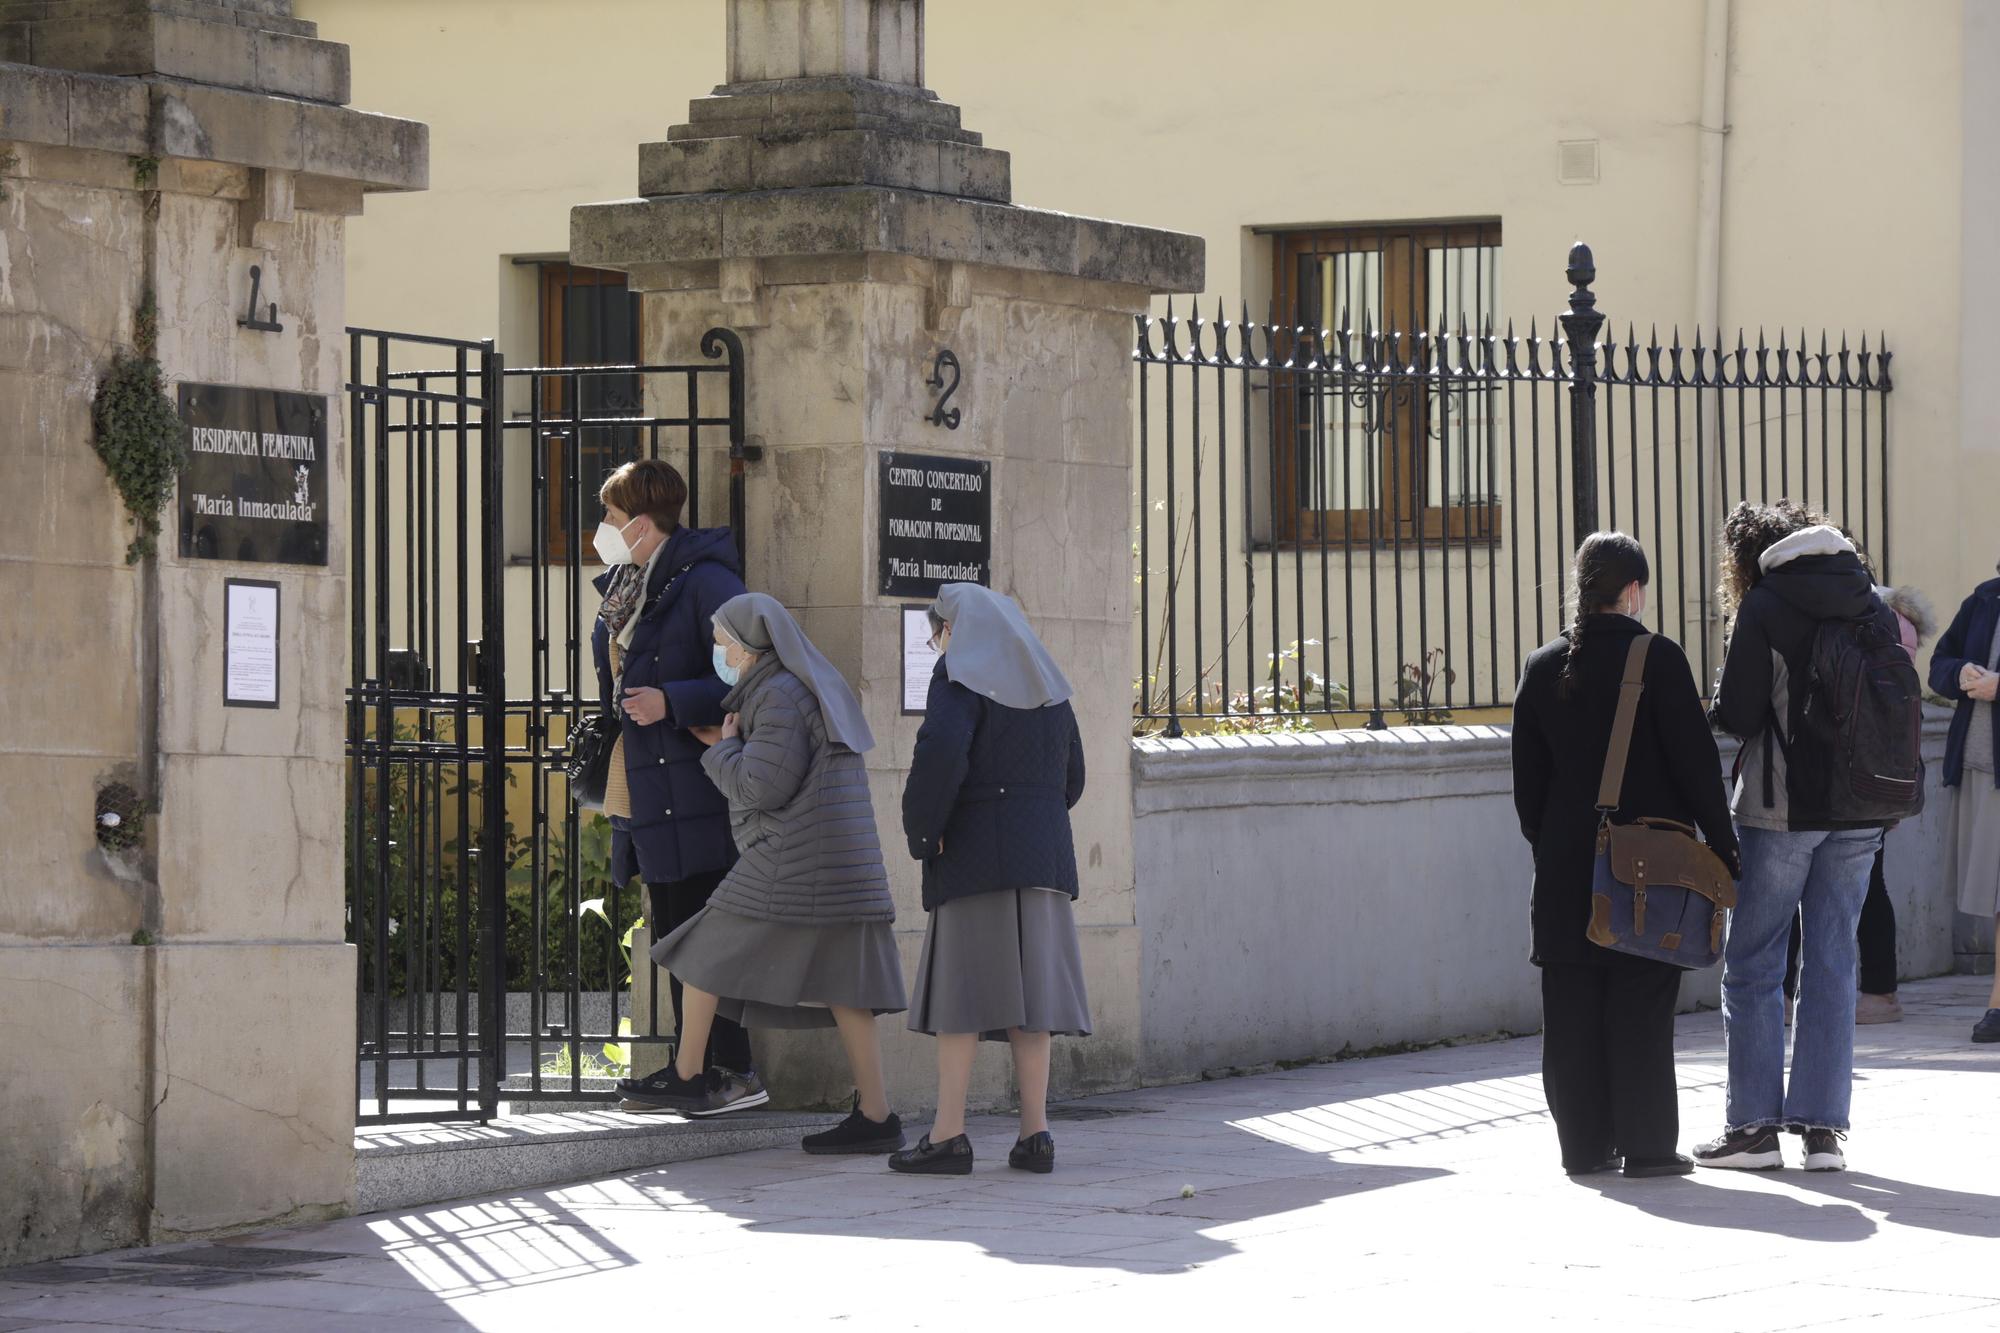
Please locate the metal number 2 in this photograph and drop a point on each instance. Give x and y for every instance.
(938, 415)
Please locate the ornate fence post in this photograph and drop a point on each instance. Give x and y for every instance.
(1580, 328)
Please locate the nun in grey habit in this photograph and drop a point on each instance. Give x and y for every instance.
(998, 766)
(800, 932)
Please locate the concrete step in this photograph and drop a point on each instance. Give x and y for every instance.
(408, 1166)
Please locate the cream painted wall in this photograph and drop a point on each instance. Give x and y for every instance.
(1841, 204)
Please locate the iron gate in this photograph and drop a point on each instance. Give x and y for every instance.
(493, 947)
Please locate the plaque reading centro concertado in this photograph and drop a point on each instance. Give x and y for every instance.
(254, 488)
(937, 523)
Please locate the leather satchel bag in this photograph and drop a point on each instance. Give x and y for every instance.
(1657, 891)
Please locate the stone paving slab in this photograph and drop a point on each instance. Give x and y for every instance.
(1416, 1191)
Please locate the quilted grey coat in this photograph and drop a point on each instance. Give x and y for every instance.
(798, 808)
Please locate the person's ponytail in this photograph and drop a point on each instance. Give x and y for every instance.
(1606, 564)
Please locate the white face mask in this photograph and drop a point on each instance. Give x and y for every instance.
(610, 543)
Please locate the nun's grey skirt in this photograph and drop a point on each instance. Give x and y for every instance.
(1002, 960)
(1977, 815)
(786, 974)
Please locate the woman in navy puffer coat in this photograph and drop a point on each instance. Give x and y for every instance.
(651, 644)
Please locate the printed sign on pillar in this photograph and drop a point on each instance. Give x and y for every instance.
(937, 523)
(254, 488)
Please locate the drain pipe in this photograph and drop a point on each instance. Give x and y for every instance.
(1713, 128)
(1712, 131)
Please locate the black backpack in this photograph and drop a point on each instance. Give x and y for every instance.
(1856, 754)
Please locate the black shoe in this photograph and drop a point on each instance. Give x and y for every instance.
(857, 1135)
(1743, 1150)
(1595, 1169)
(1036, 1153)
(1987, 1029)
(1823, 1150)
(668, 1091)
(953, 1157)
(1646, 1168)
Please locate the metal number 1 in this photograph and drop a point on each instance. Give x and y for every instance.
(250, 321)
(938, 415)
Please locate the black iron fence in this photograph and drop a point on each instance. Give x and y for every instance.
(1356, 524)
(493, 946)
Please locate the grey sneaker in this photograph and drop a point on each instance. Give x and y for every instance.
(1823, 1150)
(736, 1092)
(1743, 1150)
(1987, 1029)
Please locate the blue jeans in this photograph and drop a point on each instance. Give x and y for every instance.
(1827, 875)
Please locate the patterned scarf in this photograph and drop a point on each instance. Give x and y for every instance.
(622, 599)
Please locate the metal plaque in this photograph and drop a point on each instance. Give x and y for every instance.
(255, 486)
(937, 523)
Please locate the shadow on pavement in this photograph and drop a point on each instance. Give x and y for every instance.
(1694, 1201)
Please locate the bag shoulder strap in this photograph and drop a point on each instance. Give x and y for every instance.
(1629, 690)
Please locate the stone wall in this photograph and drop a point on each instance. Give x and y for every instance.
(1301, 896)
(158, 151)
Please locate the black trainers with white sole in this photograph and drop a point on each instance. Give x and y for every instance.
(1743, 1150)
(1823, 1150)
(667, 1091)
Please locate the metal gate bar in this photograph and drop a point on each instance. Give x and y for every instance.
(444, 719)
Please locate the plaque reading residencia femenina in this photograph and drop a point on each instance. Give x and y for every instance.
(254, 488)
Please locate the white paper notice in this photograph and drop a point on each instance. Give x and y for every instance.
(919, 658)
(250, 670)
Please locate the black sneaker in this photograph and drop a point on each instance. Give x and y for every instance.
(652, 1085)
(737, 1092)
(857, 1135)
(1743, 1150)
(1987, 1029)
(668, 1091)
(1649, 1168)
(953, 1157)
(1611, 1163)
(1036, 1153)
(1823, 1150)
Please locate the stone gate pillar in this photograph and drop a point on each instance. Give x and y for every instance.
(836, 213)
(179, 1051)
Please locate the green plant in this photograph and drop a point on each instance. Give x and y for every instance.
(1277, 707)
(1415, 685)
(138, 435)
(145, 172)
(142, 937)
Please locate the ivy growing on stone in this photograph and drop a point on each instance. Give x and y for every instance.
(139, 435)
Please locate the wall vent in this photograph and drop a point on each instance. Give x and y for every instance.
(1576, 161)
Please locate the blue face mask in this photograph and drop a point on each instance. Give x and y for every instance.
(727, 672)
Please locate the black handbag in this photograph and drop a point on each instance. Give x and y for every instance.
(591, 745)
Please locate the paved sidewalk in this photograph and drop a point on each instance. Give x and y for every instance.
(1417, 1191)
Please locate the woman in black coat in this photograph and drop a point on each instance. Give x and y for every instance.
(998, 766)
(1608, 1017)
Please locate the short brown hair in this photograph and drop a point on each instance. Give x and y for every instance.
(650, 487)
